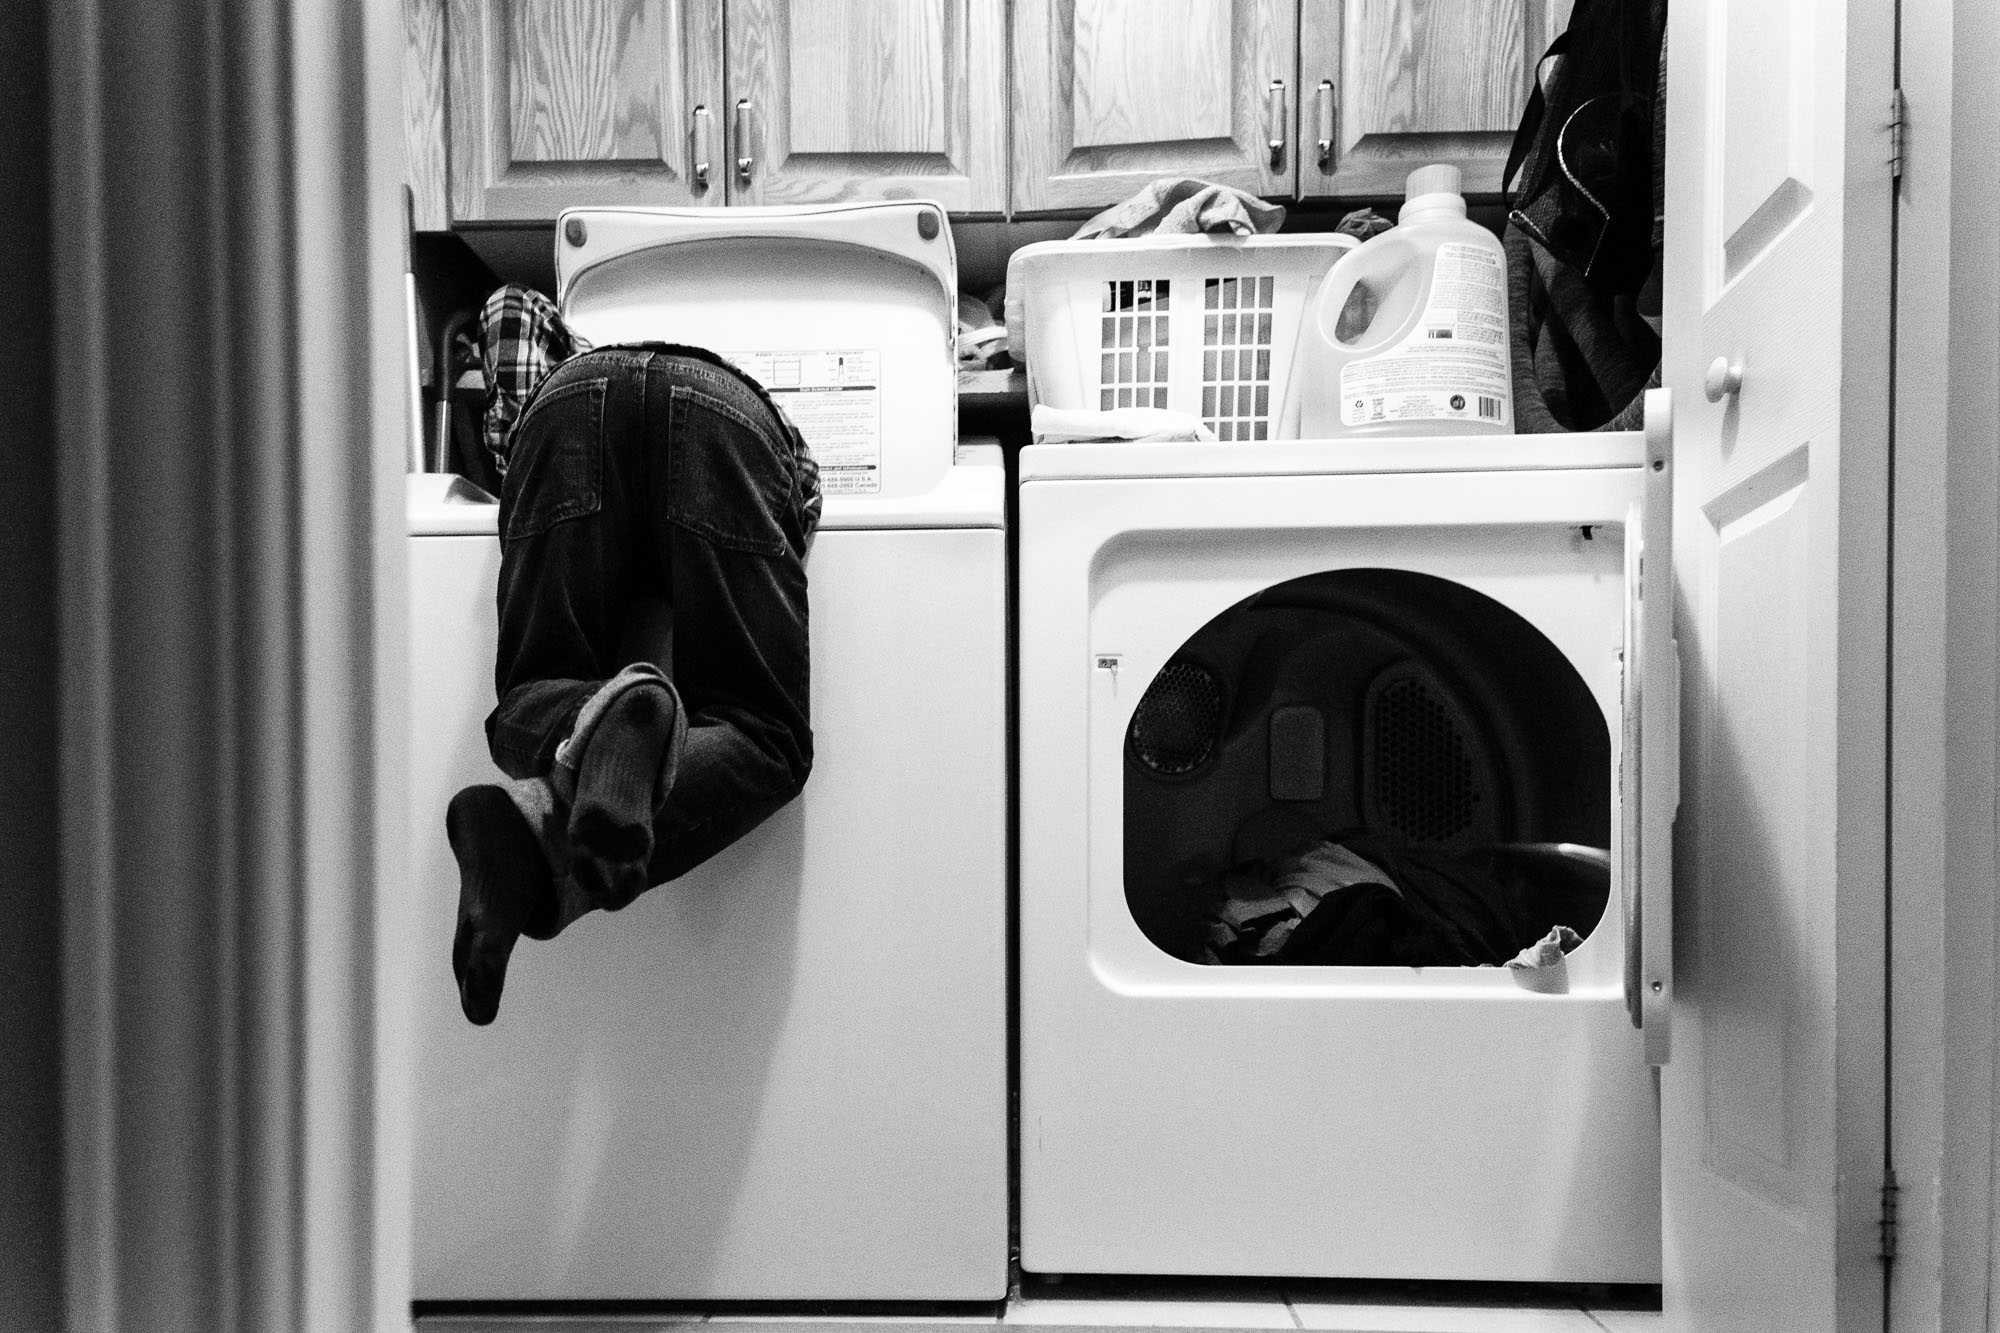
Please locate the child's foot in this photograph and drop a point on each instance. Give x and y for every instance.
(502, 881)
(623, 776)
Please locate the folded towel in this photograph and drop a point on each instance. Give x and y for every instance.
(1056, 425)
(1184, 204)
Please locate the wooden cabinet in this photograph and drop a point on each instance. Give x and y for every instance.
(423, 112)
(868, 99)
(1109, 94)
(704, 102)
(1283, 98)
(582, 101)
(1388, 86)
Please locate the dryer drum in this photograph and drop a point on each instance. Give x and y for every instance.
(1178, 720)
(1425, 773)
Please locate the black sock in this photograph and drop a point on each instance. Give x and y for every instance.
(503, 881)
(618, 794)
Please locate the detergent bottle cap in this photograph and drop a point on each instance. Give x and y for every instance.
(1431, 192)
(1438, 178)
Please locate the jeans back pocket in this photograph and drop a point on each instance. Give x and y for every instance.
(557, 469)
(731, 482)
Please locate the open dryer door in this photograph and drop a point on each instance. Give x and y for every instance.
(1649, 762)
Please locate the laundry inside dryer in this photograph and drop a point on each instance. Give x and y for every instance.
(1366, 767)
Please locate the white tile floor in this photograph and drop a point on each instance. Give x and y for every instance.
(1132, 1304)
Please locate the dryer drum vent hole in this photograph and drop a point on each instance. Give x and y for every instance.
(1423, 780)
(1177, 723)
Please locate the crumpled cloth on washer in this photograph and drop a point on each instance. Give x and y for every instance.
(1256, 916)
(1061, 425)
(1184, 204)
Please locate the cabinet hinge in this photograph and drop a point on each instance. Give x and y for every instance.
(1886, 1252)
(1896, 114)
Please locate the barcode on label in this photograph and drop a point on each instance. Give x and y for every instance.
(1440, 333)
(1489, 409)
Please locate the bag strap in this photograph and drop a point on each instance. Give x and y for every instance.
(1531, 118)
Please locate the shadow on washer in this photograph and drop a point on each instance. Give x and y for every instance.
(1418, 711)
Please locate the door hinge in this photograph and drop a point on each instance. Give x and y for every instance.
(1896, 116)
(1886, 1252)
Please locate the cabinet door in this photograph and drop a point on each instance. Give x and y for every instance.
(1108, 95)
(1388, 86)
(560, 102)
(423, 112)
(868, 99)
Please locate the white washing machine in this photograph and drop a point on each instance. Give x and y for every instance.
(1230, 648)
(783, 1076)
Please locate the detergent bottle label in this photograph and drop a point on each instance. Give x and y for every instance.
(1453, 365)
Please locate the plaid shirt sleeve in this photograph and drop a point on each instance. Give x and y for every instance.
(521, 339)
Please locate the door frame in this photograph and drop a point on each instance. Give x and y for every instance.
(1945, 646)
(232, 410)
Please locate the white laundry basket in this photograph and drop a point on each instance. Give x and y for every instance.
(1202, 324)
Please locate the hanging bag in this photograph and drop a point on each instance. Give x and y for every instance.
(1584, 185)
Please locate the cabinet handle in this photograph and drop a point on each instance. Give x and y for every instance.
(701, 144)
(1327, 110)
(1274, 111)
(743, 159)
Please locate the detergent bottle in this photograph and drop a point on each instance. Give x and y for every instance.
(1408, 333)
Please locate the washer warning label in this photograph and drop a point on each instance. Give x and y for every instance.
(834, 397)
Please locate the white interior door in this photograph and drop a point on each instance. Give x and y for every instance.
(1778, 260)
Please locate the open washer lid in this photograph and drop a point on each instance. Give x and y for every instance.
(846, 314)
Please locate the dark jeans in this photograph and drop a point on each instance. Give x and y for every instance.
(659, 472)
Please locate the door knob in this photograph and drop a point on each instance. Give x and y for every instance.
(1724, 378)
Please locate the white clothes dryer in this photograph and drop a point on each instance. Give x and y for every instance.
(783, 1076)
(1230, 649)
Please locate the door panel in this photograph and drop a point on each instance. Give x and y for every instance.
(1778, 255)
(1393, 85)
(423, 113)
(1758, 853)
(593, 98)
(1125, 56)
(1108, 96)
(868, 99)
(1766, 174)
